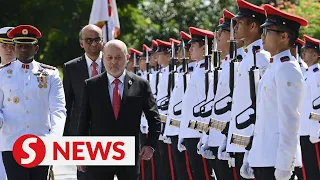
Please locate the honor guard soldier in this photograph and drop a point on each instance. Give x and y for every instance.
(275, 149)
(32, 101)
(163, 96)
(310, 152)
(195, 95)
(251, 68)
(296, 51)
(147, 167)
(134, 57)
(155, 70)
(181, 77)
(315, 95)
(7, 55)
(223, 95)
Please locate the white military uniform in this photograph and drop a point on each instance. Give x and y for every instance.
(193, 95)
(305, 123)
(144, 122)
(153, 82)
(29, 105)
(176, 97)
(223, 90)
(241, 94)
(163, 92)
(279, 103)
(315, 93)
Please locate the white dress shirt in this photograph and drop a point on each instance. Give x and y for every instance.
(111, 84)
(89, 62)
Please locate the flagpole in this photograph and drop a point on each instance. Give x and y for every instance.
(107, 30)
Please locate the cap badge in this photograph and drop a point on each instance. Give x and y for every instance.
(25, 31)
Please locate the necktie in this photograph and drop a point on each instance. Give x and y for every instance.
(116, 98)
(94, 69)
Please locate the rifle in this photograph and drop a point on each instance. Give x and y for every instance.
(207, 73)
(216, 72)
(135, 66)
(253, 79)
(234, 62)
(185, 74)
(315, 107)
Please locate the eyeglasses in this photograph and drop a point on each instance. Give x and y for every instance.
(265, 31)
(91, 40)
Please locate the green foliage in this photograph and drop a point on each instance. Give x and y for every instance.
(141, 20)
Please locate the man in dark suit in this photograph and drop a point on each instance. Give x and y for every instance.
(75, 72)
(112, 104)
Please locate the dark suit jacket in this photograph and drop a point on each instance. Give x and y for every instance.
(74, 74)
(97, 117)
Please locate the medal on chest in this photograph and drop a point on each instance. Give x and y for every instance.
(42, 77)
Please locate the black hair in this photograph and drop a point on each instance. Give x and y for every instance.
(252, 20)
(292, 33)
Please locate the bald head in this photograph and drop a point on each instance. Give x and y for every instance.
(116, 44)
(115, 57)
(88, 28)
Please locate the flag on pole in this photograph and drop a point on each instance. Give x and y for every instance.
(104, 13)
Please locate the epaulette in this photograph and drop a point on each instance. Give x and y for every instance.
(285, 59)
(8, 64)
(47, 66)
(202, 65)
(190, 69)
(316, 69)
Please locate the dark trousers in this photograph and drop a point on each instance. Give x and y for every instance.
(181, 162)
(84, 176)
(16, 172)
(199, 166)
(311, 160)
(122, 172)
(220, 167)
(238, 163)
(162, 163)
(147, 170)
(266, 173)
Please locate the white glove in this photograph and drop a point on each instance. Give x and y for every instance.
(232, 162)
(160, 137)
(206, 152)
(199, 147)
(246, 171)
(167, 140)
(144, 129)
(282, 175)
(222, 154)
(180, 146)
(314, 139)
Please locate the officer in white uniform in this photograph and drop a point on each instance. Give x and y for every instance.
(195, 94)
(296, 51)
(163, 97)
(182, 76)
(249, 18)
(309, 151)
(276, 148)
(31, 101)
(7, 55)
(222, 97)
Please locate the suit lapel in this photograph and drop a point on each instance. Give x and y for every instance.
(128, 80)
(84, 74)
